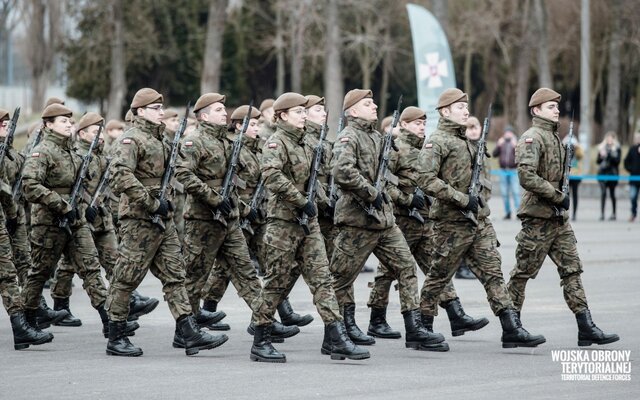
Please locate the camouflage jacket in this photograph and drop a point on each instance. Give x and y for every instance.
(49, 175)
(286, 166)
(201, 168)
(311, 140)
(355, 172)
(266, 130)
(168, 136)
(248, 170)
(139, 159)
(97, 166)
(485, 185)
(540, 158)
(446, 164)
(11, 165)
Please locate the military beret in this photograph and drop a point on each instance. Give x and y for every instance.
(4, 114)
(240, 112)
(89, 119)
(289, 100)
(312, 100)
(354, 96)
(144, 97)
(53, 100)
(411, 114)
(207, 99)
(128, 117)
(266, 103)
(114, 124)
(386, 122)
(56, 110)
(451, 96)
(543, 95)
(169, 114)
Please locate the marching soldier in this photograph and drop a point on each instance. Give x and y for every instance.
(545, 228)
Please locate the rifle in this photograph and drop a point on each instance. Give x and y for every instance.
(256, 200)
(77, 186)
(170, 167)
(230, 177)
(478, 166)
(17, 185)
(8, 140)
(102, 185)
(568, 156)
(333, 188)
(383, 161)
(312, 185)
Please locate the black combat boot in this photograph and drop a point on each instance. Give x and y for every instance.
(341, 346)
(356, 335)
(289, 317)
(212, 306)
(427, 322)
(278, 333)
(130, 326)
(262, 349)
(139, 307)
(194, 339)
(204, 317)
(326, 342)
(589, 333)
(416, 334)
(378, 326)
(24, 335)
(461, 322)
(513, 334)
(47, 317)
(119, 344)
(70, 320)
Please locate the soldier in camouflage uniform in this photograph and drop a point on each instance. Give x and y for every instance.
(412, 216)
(267, 127)
(361, 234)
(286, 167)
(545, 228)
(446, 163)
(172, 122)
(140, 157)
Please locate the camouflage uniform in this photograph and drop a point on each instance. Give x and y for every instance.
(446, 163)
(360, 234)
(140, 156)
(49, 174)
(179, 196)
(540, 157)
(9, 290)
(211, 246)
(286, 165)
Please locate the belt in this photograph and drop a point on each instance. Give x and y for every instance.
(61, 190)
(150, 181)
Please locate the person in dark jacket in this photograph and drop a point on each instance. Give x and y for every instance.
(509, 185)
(608, 162)
(632, 165)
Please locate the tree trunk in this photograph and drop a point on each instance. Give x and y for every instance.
(333, 82)
(118, 78)
(612, 107)
(386, 72)
(468, 59)
(297, 46)
(38, 53)
(212, 63)
(523, 72)
(542, 43)
(280, 63)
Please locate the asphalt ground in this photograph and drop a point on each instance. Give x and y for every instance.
(74, 365)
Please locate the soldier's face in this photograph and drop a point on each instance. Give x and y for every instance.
(172, 123)
(152, 113)
(416, 127)
(4, 125)
(548, 110)
(114, 133)
(365, 109)
(295, 116)
(457, 112)
(89, 133)
(252, 129)
(217, 114)
(316, 114)
(61, 125)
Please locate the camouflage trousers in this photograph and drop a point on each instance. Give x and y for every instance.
(418, 238)
(106, 243)
(352, 248)
(143, 247)
(217, 254)
(9, 290)
(287, 247)
(178, 216)
(21, 248)
(537, 239)
(478, 245)
(49, 244)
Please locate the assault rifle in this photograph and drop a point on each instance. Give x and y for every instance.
(333, 188)
(102, 185)
(17, 185)
(256, 200)
(312, 185)
(478, 166)
(568, 156)
(8, 140)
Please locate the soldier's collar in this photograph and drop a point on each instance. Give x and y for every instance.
(289, 130)
(362, 124)
(149, 127)
(217, 131)
(312, 128)
(545, 124)
(169, 134)
(57, 138)
(248, 141)
(449, 126)
(410, 138)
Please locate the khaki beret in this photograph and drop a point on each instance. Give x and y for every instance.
(89, 119)
(4, 114)
(289, 100)
(169, 114)
(114, 124)
(312, 100)
(240, 112)
(53, 100)
(354, 96)
(207, 99)
(266, 103)
(411, 114)
(543, 95)
(56, 110)
(128, 117)
(144, 97)
(451, 96)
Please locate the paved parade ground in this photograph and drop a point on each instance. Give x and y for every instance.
(74, 365)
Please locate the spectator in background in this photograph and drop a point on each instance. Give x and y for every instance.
(632, 164)
(509, 185)
(576, 169)
(608, 162)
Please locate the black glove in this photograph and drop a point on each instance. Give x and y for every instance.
(225, 207)
(473, 204)
(309, 209)
(377, 203)
(71, 216)
(164, 208)
(12, 225)
(253, 215)
(417, 201)
(90, 214)
(565, 202)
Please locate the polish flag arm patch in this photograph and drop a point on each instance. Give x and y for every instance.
(272, 145)
(528, 140)
(428, 145)
(188, 143)
(35, 154)
(344, 139)
(126, 141)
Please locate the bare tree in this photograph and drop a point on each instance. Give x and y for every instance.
(612, 108)
(542, 44)
(117, 90)
(523, 71)
(333, 80)
(211, 67)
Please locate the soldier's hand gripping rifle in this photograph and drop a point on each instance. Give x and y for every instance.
(478, 168)
(568, 157)
(414, 212)
(383, 160)
(170, 168)
(254, 204)
(333, 188)
(312, 185)
(230, 177)
(17, 185)
(8, 140)
(80, 177)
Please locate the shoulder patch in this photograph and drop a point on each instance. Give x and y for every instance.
(528, 140)
(188, 143)
(35, 154)
(344, 139)
(126, 141)
(428, 145)
(272, 145)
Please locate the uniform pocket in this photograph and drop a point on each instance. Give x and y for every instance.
(41, 236)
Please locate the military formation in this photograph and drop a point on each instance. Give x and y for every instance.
(262, 197)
